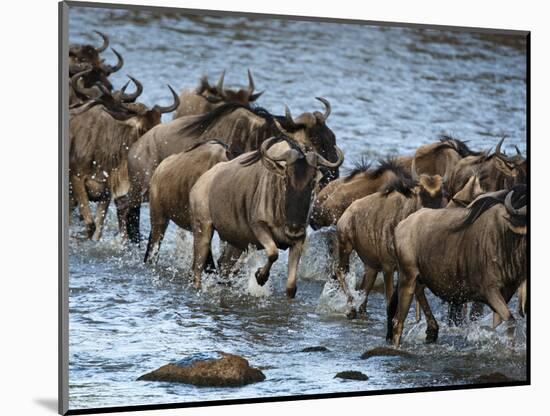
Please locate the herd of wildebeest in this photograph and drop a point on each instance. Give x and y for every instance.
(447, 217)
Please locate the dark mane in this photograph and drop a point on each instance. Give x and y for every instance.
(359, 166)
(206, 120)
(389, 163)
(256, 155)
(401, 184)
(210, 141)
(484, 203)
(459, 145)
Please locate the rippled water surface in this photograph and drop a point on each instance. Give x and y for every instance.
(391, 89)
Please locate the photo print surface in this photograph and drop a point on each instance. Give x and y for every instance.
(241, 185)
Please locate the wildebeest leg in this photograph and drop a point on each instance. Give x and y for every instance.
(407, 287)
(121, 204)
(132, 223)
(100, 213)
(522, 298)
(368, 282)
(433, 328)
(345, 248)
(498, 304)
(476, 311)
(456, 314)
(202, 238)
(263, 234)
(230, 255)
(210, 266)
(293, 260)
(81, 197)
(388, 284)
(158, 228)
(390, 313)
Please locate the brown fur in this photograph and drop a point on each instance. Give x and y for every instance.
(170, 187)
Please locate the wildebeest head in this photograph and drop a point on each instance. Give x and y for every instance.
(515, 202)
(300, 172)
(139, 115)
(217, 93)
(83, 57)
(311, 131)
(514, 167)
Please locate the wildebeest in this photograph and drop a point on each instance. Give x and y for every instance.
(99, 142)
(496, 171)
(260, 198)
(367, 226)
(170, 187)
(476, 253)
(206, 97)
(242, 128)
(437, 158)
(331, 202)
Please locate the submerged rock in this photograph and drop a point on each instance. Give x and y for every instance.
(385, 352)
(352, 375)
(495, 377)
(318, 348)
(228, 371)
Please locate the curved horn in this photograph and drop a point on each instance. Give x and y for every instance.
(86, 92)
(111, 69)
(517, 150)
(498, 153)
(79, 67)
(511, 210)
(219, 85)
(323, 162)
(130, 98)
(169, 108)
(105, 41)
(328, 108)
(288, 116)
(250, 83)
(254, 97)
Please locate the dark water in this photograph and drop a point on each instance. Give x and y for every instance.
(391, 89)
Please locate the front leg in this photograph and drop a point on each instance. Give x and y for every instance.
(263, 235)
(293, 260)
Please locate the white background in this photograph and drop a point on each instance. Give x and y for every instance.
(28, 204)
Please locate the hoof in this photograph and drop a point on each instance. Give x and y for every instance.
(291, 292)
(352, 314)
(431, 335)
(261, 278)
(90, 230)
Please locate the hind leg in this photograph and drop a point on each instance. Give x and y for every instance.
(121, 204)
(81, 197)
(202, 238)
(229, 257)
(368, 282)
(433, 328)
(406, 289)
(344, 248)
(100, 214)
(158, 228)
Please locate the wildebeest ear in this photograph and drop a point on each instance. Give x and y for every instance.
(273, 166)
(254, 97)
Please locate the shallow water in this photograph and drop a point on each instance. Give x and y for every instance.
(391, 89)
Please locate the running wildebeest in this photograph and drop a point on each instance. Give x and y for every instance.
(98, 153)
(170, 187)
(206, 97)
(260, 198)
(476, 253)
(242, 128)
(367, 226)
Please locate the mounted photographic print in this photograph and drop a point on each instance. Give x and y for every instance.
(261, 207)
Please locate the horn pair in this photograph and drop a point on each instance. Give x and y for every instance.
(290, 120)
(291, 155)
(511, 210)
(502, 156)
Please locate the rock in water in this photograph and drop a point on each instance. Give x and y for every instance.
(352, 375)
(228, 371)
(385, 352)
(318, 348)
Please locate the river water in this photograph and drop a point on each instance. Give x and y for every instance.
(391, 90)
